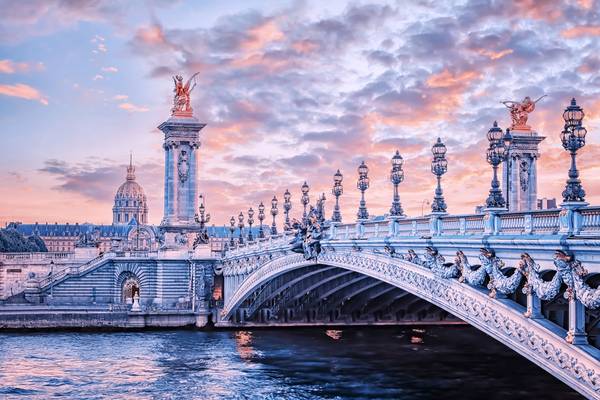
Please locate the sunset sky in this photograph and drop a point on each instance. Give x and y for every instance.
(290, 91)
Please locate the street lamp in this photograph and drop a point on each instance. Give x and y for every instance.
(304, 199)
(51, 279)
(439, 166)
(250, 222)
(274, 212)
(337, 191)
(495, 154)
(287, 206)
(241, 226)
(573, 138)
(231, 230)
(396, 176)
(202, 217)
(261, 217)
(362, 184)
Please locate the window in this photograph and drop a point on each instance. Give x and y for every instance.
(126, 217)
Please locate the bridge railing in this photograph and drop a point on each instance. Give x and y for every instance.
(590, 220)
(71, 270)
(37, 256)
(583, 221)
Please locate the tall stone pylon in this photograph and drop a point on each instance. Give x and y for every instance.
(181, 144)
(519, 171)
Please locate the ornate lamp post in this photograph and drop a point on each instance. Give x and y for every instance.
(274, 212)
(362, 184)
(241, 226)
(396, 176)
(250, 222)
(287, 206)
(51, 279)
(261, 218)
(337, 191)
(573, 138)
(304, 199)
(496, 152)
(202, 218)
(231, 230)
(439, 166)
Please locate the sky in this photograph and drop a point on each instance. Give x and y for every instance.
(290, 91)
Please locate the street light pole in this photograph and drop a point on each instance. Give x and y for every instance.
(274, 212)
(362, 184)
(304, 199)
(250, 222)
(396, 177)
(573, 139)
(337, 191)
(439, 166)
(241, 226)
(496, 153)
(232, 230)
(287, 206)
(261, 217)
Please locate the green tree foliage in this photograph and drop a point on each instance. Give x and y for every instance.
(12, 241)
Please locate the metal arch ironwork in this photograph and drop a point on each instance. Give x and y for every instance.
(538, 340)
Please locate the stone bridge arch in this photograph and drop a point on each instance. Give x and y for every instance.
(538, 340)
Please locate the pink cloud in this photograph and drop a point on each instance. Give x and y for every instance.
(581, 31)
(11, 67)
(24, 92)
(261, 36)
(130, 107)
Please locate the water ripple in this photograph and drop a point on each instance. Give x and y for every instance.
(377, 363)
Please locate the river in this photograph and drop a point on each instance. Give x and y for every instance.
(316, 363)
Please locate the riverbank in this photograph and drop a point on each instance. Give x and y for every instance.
(51, 318)
(44, 318)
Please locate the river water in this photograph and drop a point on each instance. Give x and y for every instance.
(391, 363)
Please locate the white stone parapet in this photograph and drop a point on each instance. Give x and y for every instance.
(526, 224)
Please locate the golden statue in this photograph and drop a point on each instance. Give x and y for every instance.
(181, 99)
(519, 112)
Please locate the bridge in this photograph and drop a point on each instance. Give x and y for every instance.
(527, 279)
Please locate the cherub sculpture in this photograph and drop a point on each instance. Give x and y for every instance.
(181, 99)
(519, 111)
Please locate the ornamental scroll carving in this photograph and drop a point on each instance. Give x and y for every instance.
(183, 165)
(524, 167)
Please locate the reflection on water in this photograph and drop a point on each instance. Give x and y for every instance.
(392, 363)
(243, 340)
(334, 334)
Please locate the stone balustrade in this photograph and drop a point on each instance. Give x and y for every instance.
(582, 222)
(19, 257)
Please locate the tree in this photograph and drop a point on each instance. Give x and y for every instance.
(11, 241)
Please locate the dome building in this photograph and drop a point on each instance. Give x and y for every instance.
(130, 200)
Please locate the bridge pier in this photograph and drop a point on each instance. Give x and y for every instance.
(534, 306)
(576, 333)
